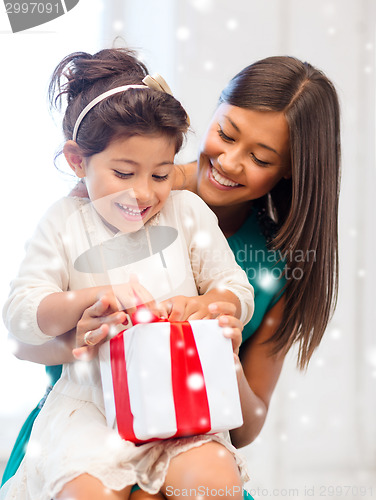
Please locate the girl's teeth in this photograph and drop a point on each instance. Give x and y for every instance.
(132, 211)
(222, 180)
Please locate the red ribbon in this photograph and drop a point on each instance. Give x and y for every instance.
(124, 415)
(188, 386)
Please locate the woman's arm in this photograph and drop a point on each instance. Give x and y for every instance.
(186, 177)
(53, 352)
(258, 373)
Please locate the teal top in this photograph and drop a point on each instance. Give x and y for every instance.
(265, 274)
(264, 269)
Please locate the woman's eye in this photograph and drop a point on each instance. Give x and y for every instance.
(259, 162)
(160, 178)
(224, 136)
(122, 175)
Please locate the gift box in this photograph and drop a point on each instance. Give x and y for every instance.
(162, 380)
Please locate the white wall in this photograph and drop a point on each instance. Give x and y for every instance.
(321, 428)
(29, 181)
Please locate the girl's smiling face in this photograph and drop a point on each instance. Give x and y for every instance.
(243, 155)
(130, 181)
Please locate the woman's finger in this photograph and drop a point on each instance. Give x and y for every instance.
(217, 308)
(235, 335)
(227, 320)
(99, 307)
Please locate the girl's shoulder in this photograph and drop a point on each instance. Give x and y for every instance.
(66, 204)
(62, 210)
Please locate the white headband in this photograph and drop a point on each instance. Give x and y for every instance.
(155, 82)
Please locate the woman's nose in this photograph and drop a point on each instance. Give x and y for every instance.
(230, 162)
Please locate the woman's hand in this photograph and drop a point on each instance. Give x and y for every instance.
(181, 308)
(232, 329)
(79, 190)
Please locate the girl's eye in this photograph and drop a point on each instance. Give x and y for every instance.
(259, 162)
(160, 178)
(224, 136)
(122, 175)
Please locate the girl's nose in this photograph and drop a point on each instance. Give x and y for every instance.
(142, 191)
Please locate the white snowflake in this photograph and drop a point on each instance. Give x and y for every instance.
(232, 24)
(114, 441)
(335, 333)
(259, 411)
(34, 449)
(371, 356)
(202, 5)
(208, 65)
(183, 33)
(195, 381)
(202, 239)
(118, 25)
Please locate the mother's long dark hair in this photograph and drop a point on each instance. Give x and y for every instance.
(304, 207)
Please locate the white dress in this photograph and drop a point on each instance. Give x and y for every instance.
(70, 436)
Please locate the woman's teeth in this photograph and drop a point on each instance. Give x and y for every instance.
(222, 180)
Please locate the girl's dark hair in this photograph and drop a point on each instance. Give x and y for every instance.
(305, 207)
(80, 77)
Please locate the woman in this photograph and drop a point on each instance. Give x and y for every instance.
(269, 167)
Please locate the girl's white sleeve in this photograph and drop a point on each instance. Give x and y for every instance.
(43, 271)
(212, 260)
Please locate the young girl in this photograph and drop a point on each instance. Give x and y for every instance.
(123, 131)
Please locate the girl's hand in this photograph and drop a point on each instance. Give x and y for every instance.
(132, 294)
(108, 311)
(94, 326)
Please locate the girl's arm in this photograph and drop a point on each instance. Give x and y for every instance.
(258, 373)
(60, 312)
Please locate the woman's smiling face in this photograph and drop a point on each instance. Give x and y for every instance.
(243, 155)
